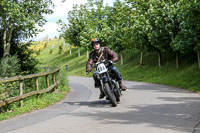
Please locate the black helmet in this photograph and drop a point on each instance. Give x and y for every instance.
(95, 40)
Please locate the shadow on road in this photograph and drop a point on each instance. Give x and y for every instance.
(175, 113)
(94, 104)
(167, 116)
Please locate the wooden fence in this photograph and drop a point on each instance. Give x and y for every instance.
(8, 100)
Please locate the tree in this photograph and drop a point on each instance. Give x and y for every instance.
(120, 27)
(139, 26)
(85, 22)
(188, 38)
(160, 26)
(76, 25)
(23, 15)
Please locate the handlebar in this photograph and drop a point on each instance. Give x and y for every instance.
(103, 61)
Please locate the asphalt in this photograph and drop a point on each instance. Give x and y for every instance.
(144, 108)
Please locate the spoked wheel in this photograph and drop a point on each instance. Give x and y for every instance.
(111, 95)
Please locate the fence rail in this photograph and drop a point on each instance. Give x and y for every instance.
(6, 100)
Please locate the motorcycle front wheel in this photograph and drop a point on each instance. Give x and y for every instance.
(110, 95)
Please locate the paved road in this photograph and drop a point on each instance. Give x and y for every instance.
(144, 108)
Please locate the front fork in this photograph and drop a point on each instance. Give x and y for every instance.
(104, 79)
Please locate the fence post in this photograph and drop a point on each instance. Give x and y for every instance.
(58, 77)
(37, 85)
(54, 78)
(47, 81)
(21, 91)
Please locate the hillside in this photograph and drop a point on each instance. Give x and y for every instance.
(187, 76)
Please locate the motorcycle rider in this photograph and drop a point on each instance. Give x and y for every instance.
(103, 53)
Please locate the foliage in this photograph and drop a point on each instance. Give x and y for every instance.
(27, 61)
(147, 25)
(60, 49)
(44, 100)
(22, 62)
(51, 51)
(19, 21)
(139, 25)
(188, 39)
(186, 77)
(10, 68)
(23, 16)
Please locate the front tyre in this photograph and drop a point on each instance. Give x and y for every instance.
(110, 95)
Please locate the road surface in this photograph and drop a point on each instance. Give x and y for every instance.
(144, 108)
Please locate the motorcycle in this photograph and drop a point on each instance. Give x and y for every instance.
(109, 85)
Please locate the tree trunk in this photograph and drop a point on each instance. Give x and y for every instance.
(141, 58)
(79, 51)
(87, 54)
(177, 59)
(7, 35)
(198, 54)
(70, 51)
(159, 58)
(4, 42)
(122, 59)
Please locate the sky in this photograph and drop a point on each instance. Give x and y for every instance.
(60, 12)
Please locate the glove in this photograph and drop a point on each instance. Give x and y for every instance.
(110, 61)
(87, 71)
(107, 61)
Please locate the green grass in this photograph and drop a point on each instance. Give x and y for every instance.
(187, 76)
(33, 103)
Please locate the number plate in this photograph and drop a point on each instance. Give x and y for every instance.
(101, 68)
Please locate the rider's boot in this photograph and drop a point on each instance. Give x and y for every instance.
(102, 95)
(122, 86)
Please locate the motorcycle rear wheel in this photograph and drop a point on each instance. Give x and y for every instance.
(111, 95)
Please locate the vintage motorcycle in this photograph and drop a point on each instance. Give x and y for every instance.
(109, 85)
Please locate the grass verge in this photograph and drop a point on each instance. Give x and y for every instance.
(32, 104)
(47, 61)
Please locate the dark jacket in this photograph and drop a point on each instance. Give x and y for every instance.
(108, 54)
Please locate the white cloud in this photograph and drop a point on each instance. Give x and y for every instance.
(61, 9)
(50, 30)
(60, 12)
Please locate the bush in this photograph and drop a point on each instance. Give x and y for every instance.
(60, 49)
(27, 62)
(51, 51)
(45, 45)
(10, 68)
